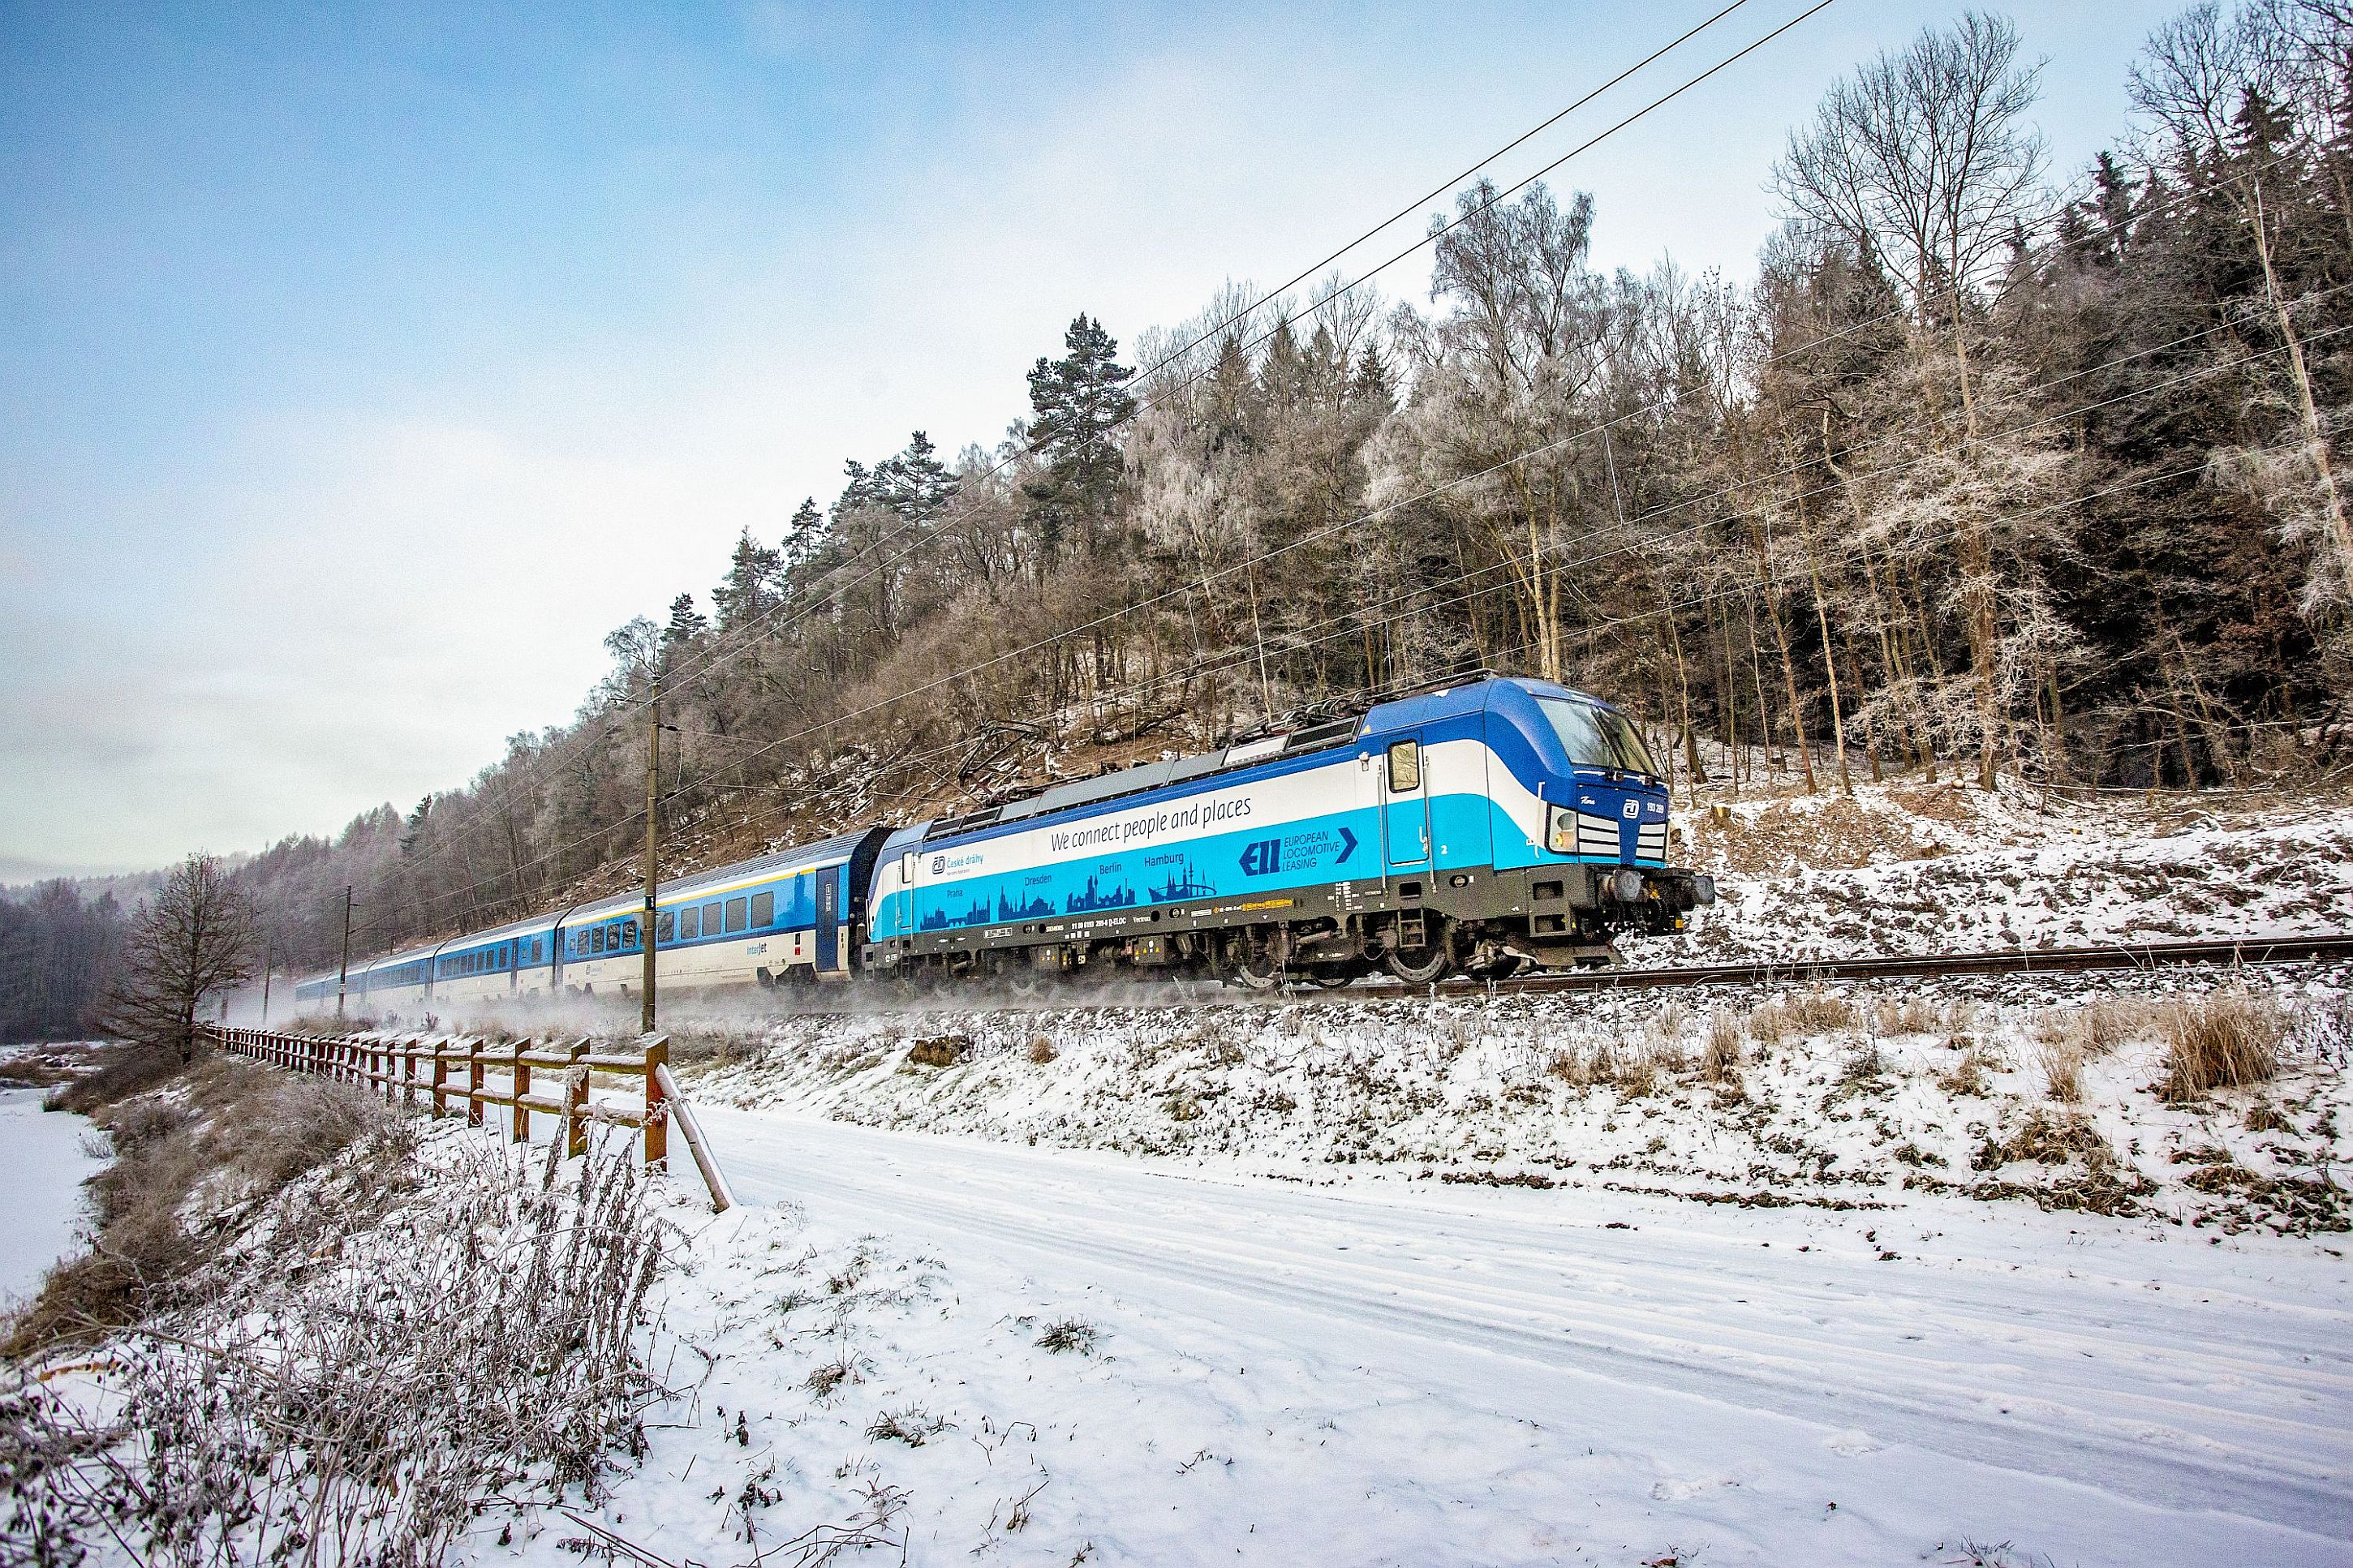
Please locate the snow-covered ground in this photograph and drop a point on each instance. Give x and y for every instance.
(1938, 1272)
(1262, 1373)
(45, 1156)
(1916, 867)
(1820, 1097)
(1924, 1272)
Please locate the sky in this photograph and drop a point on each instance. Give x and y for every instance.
(362, 366)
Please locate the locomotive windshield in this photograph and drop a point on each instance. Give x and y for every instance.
(1598, 737)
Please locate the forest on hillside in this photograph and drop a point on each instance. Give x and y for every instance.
(1994, 469)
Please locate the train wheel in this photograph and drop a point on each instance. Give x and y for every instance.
(1332, 976)
(1488, 963)
(1252, 964)
(1423, 965)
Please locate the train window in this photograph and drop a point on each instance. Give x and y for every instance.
(711, 920)
(666, 929)
(597, 940)
(1405, 767)
(1598, 737)
(630, 931)
(907, 868)
(764, 910)
(735, 916)
(690, 924)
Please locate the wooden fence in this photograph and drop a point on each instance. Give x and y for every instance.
(444, 1073)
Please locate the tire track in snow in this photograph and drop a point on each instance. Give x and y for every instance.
(2089, 1377)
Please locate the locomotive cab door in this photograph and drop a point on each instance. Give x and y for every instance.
(828, 918)
(1404, 806)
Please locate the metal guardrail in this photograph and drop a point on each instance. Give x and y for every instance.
(445, 1072)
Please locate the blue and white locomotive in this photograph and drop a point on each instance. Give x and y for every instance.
(1477, 830)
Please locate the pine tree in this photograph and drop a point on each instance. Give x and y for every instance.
(686, 622)
(748, 591)
(413, 831)
(1077, 401)
(805, 535)
(914, 484)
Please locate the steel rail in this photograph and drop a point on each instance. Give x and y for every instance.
(1921, 966)
(1139, 989)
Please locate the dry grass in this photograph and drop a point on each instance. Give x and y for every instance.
(941, 1051)
(2228, 1040)
(230, 1135)
(1803, 1015)
(372, 1354)
(1967, 1076)
(2062, 1070)
(1042, 1050)
(914, 1426)
(2096, 1029)
(1633, 1068)
(1070, 1334)
(1720, 1062)
(122, 1071)
(1913, 1016)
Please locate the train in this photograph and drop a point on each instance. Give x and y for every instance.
(1479, 829)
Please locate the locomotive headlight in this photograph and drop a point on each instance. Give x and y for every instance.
(1560, 831)
(1702, 889)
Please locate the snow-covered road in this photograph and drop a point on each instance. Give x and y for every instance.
(2089, 1389)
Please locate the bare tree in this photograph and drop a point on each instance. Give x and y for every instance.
(1926, 158)
(193, 940)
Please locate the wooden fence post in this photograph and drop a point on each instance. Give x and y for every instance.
(575, 1103)
(518, 1085)
(656, 1102)
(440, 1081)
(474, 1081)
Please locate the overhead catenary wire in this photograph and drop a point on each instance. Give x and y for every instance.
(1349, 622)
(719, 658)
(1682, 503)
(1429, 492)
(1335, 627)
(679, 680)
(510, 872)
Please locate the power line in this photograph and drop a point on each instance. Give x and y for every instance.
(708, 779)
(679, 681)
(1350, 621)
(1683, 503)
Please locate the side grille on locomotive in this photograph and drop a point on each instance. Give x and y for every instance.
(1650, 843)
(1597, 835)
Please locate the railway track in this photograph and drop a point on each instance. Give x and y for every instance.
(2011, 961)
(2142, 955)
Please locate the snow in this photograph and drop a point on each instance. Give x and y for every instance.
(43, 1159)
(1887, 1092)
(1522, 1278)
(1511, 1280)
(1397, 1373)
(1916, 868)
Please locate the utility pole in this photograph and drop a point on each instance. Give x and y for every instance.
(344, 970)
(653, 829)
(265, 984)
